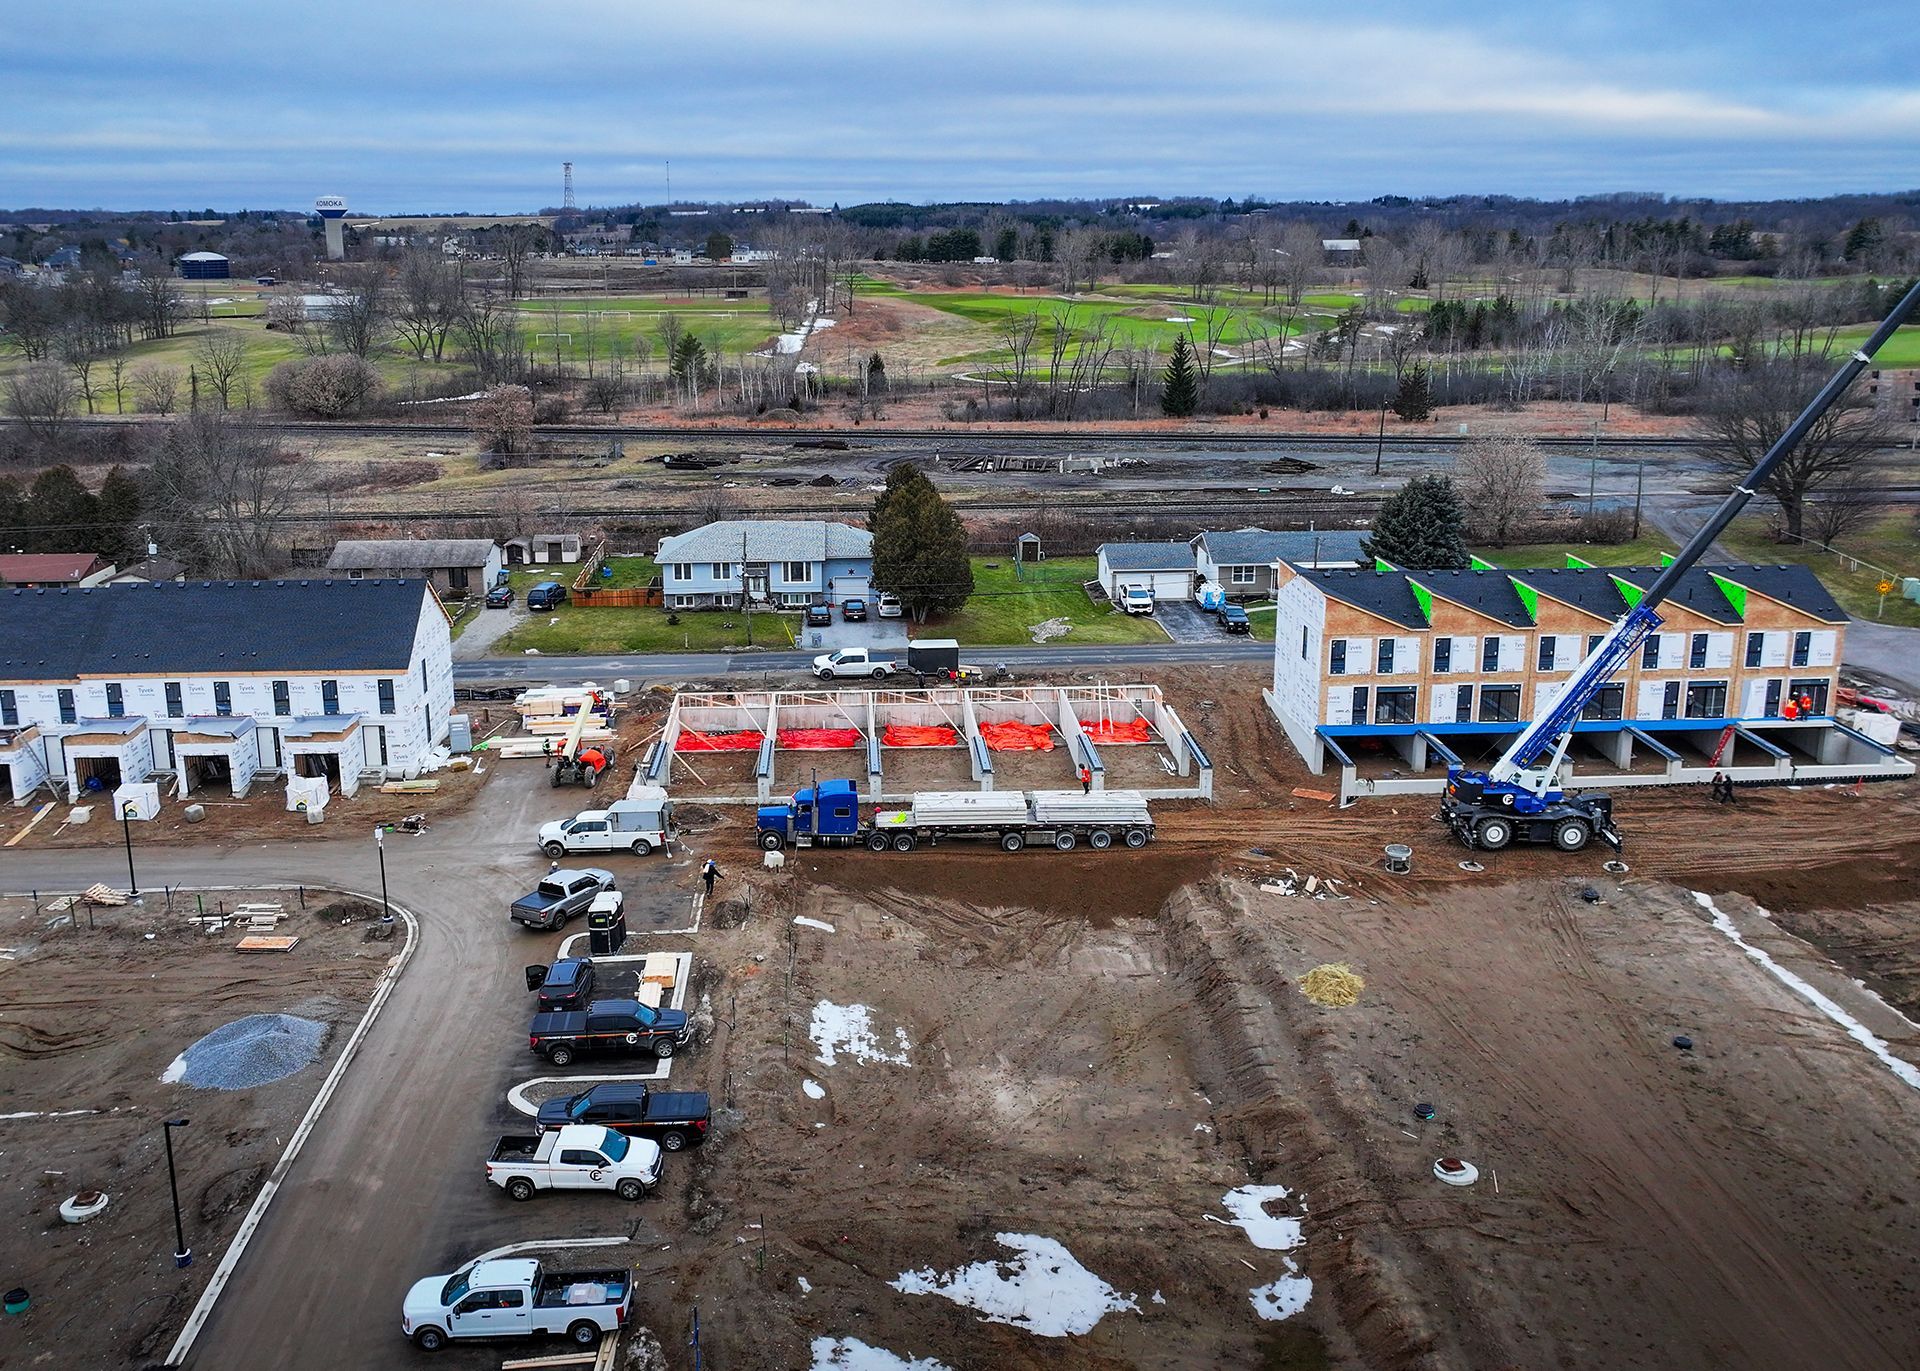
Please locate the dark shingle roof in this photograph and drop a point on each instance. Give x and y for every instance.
(1385, 593)
(1259, 546)
(408, 554)
(1483, 592)
(207, 627)
(1147, 556)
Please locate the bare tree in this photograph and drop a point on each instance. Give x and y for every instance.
(1747, 410)
(357, 314)
(1386, 274)
(1842, 510)
(222, 488)
(1077, 259)
(430, 299)
(117, 376)
(40, 396)
(1301, 258)
(517, 245)
(489, 330)
(503, 419)
(156, 389)
(219, 356)
(160, 303)
(1018, 328)
(1502, 483)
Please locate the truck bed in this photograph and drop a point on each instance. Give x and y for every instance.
(578, 1289)
(516, 1147)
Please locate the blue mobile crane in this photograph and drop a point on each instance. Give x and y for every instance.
(1519, 796)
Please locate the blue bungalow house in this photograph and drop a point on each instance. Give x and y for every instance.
(787, 563)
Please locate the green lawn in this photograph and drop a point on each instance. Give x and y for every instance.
(1901, 350)
(1890, 543)
(1264, 619)
(1004, 608)
(572, 628)
(623, 323)
(1642, 552)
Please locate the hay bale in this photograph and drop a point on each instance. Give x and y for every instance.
(1332, 985)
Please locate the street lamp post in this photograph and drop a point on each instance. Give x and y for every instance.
(380, 843)
(126, 832)
(182, 1254)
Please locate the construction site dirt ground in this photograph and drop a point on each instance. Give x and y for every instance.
(92, 1019)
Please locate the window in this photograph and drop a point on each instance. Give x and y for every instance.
(1337, 657)
(1593, 641)
(1360, 704)
(176, 707)
(796, 573)
(9, 708)
(356, 575)
(116, 701)
(282, 699)
(1802, 648)
(1463, 705)
(329, 697)
(686, 601)
(1303, 642)
(1816, 689)
(67, 712)
(423, 684)
(1549, 645)
(223, 698)
(683, 571)
(1697, 652)
(1393, 705)
(1650, 653)
(1386, 657)
(1499, 704)
(385, 687)
(1607, 703)
(1670, 701)
(1442, 655)
(580, 1156)
(1244, 575)
(456, 578)
(1490, 655)
(1708, 700)
(720, 571)
(1756, 648)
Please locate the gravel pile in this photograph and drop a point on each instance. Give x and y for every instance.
(256, 1050)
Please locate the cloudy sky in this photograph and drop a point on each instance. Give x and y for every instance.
(404, 105)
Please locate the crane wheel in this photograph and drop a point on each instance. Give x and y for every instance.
(1493, 834)
(1570, 835)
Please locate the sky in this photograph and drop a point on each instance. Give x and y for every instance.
(410, 106)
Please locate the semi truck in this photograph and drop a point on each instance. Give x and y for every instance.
(830, 815)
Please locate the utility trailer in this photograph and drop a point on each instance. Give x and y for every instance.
(1060, 819)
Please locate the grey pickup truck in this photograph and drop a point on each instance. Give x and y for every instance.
(560, 896)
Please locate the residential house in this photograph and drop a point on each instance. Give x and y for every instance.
(457, 567)
(1164, 568)
(786, 562)
(1242, 561)
(1430, 654)
(217, 682)
(32, 569)
(155, 568)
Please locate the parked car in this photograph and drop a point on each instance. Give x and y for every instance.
(608, 1026)
(514, 1297)
(1133, 599)
(889, 606)
(500, 597)
(819, 616)
(637, 825)
(854, 611)
(674, 1119)
(560, 896)
(567, 984)
(1233, 619)
(576, 1157)
(547, 595)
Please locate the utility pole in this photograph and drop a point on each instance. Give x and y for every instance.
(746, 598)
(1639, 489)
(1380, 439)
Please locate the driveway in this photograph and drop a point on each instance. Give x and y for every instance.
(487, 627)
(390, 1186)
(888, 635)
(1186, 622)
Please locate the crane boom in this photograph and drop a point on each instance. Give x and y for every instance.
(1524, 780)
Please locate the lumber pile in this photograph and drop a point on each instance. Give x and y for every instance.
(254, 942)
(550, 716)
(426, 785)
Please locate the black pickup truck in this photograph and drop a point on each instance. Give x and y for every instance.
(674, 1120)
(608, 1026)
(560, 896)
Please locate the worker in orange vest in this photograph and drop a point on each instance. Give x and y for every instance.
(1086, 779)
(1806, 703)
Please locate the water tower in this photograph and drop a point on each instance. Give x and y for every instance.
(332, 209)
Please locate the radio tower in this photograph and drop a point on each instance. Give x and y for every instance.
(566, 186)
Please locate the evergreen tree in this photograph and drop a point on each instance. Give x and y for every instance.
(1420, 526)
(876, 373)
(1180, 388)
(1413, 397)
(899, 476)
(61, 513)
(1863, 240)
(1006, 246)
(117, 536)
(920, 546)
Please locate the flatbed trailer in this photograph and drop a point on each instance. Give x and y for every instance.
(1014, 820)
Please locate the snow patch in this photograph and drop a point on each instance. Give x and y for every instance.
(815, 1090)
(1248, 1205)
(1859, 1032)
(805, 922)
(848, 1028)
(1043, 1290)
(850, 1354)
(1285, 1297)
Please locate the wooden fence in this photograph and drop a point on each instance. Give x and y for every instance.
(630, 597)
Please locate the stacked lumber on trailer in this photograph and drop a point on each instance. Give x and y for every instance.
(556, 718)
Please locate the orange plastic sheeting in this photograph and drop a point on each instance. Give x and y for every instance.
(692, 741)
(1013, 737)
(818, 739)
(917, 735)
(1114, 731)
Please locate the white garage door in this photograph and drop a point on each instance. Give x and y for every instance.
(849, 587)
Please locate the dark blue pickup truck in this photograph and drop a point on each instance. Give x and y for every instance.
(608, 1026)
(674, 1119)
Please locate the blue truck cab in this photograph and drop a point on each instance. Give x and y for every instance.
(832, 818)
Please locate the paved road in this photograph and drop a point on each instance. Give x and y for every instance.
(681, 666)
(390, 1186)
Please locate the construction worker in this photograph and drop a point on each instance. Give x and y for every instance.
(1086, 779)
(1806, 705)
(1718, 781)
(710, 873)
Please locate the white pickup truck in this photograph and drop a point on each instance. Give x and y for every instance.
(1136, 599)
(575, 1157)
(853, 661)
(513, 1298)
(637, 824)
